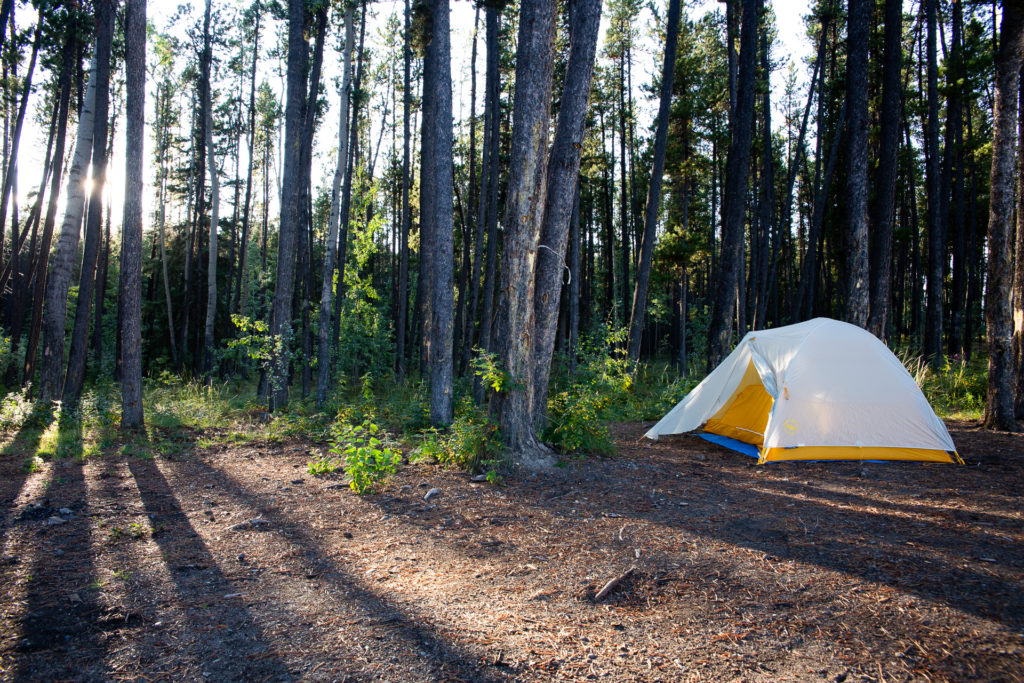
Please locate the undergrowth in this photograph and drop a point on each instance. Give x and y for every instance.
(370, 420)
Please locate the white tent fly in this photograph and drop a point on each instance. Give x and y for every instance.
(817, 390)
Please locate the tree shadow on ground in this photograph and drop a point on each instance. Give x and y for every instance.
(240, 651)
(62, 625)
(860, 534)
(414, 637)
(14, 464)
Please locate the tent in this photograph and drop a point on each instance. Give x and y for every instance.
(817, 390)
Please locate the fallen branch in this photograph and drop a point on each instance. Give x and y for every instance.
(610, 586)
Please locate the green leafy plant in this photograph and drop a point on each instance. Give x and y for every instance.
(366, 456)
(322, 465)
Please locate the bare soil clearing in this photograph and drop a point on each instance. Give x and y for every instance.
(233, 563)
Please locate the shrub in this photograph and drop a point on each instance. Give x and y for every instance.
(574, 421)
(365, 455)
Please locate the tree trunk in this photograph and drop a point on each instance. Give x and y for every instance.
(323, 382)
(936, 236)
(242, 291)
(492, 117)
(734, 200)
(211, 162)
(12, 161)
(131, 230)
(59, 281)
(857, 284)
(436, 209)
(884, 208)
(403, 258)
(1018, 273)
(562, 181)
(77, 354)
(291, 196)
(524, 213)
(999, 408)
(39, 288)
(643, 275)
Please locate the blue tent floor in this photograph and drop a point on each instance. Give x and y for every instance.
(750, 449)
(733, 444)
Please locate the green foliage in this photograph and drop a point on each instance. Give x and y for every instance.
(365, 454)
(472, 442)
(574, 421)
(606, 387)
(16, 410)
(488, 368)
(322, 465)
(957, 390)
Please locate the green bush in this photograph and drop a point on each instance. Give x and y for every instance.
(365, 455)
(575, 423)
(472, 442)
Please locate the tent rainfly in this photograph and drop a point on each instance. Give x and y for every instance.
(817, 390)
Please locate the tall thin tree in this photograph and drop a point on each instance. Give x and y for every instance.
(643, 274)
(131, 227)
(999, 408)
(291, 194)
(77, 354)
(734, 199)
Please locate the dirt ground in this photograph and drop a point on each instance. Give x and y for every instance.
(232, 563)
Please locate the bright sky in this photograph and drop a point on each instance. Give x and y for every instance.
(792, 45)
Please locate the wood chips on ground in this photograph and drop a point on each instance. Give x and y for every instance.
(232, 563)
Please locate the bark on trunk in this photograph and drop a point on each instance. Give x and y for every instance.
(403, 259)
(436, 208)
(857, 292)
(131, 230)
(211, 163)
(41, 277)
(524, 213)
(77, 354)
(734, 199)
(643, 274)
(291, 195)
(884, 209)
(323, 382)
(936, 236)
(1018, 273)
(562, 182)
(999, 408)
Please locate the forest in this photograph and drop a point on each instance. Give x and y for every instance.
(330, 331)
(476, 253)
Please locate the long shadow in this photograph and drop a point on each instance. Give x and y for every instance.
(61, 629)
(920, 510)
(412, 632)
(239, 652)
(14, 470)
(875, 546)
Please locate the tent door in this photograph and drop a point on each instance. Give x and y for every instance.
(744, 416)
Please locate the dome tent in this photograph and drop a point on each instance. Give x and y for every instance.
(817, 390)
